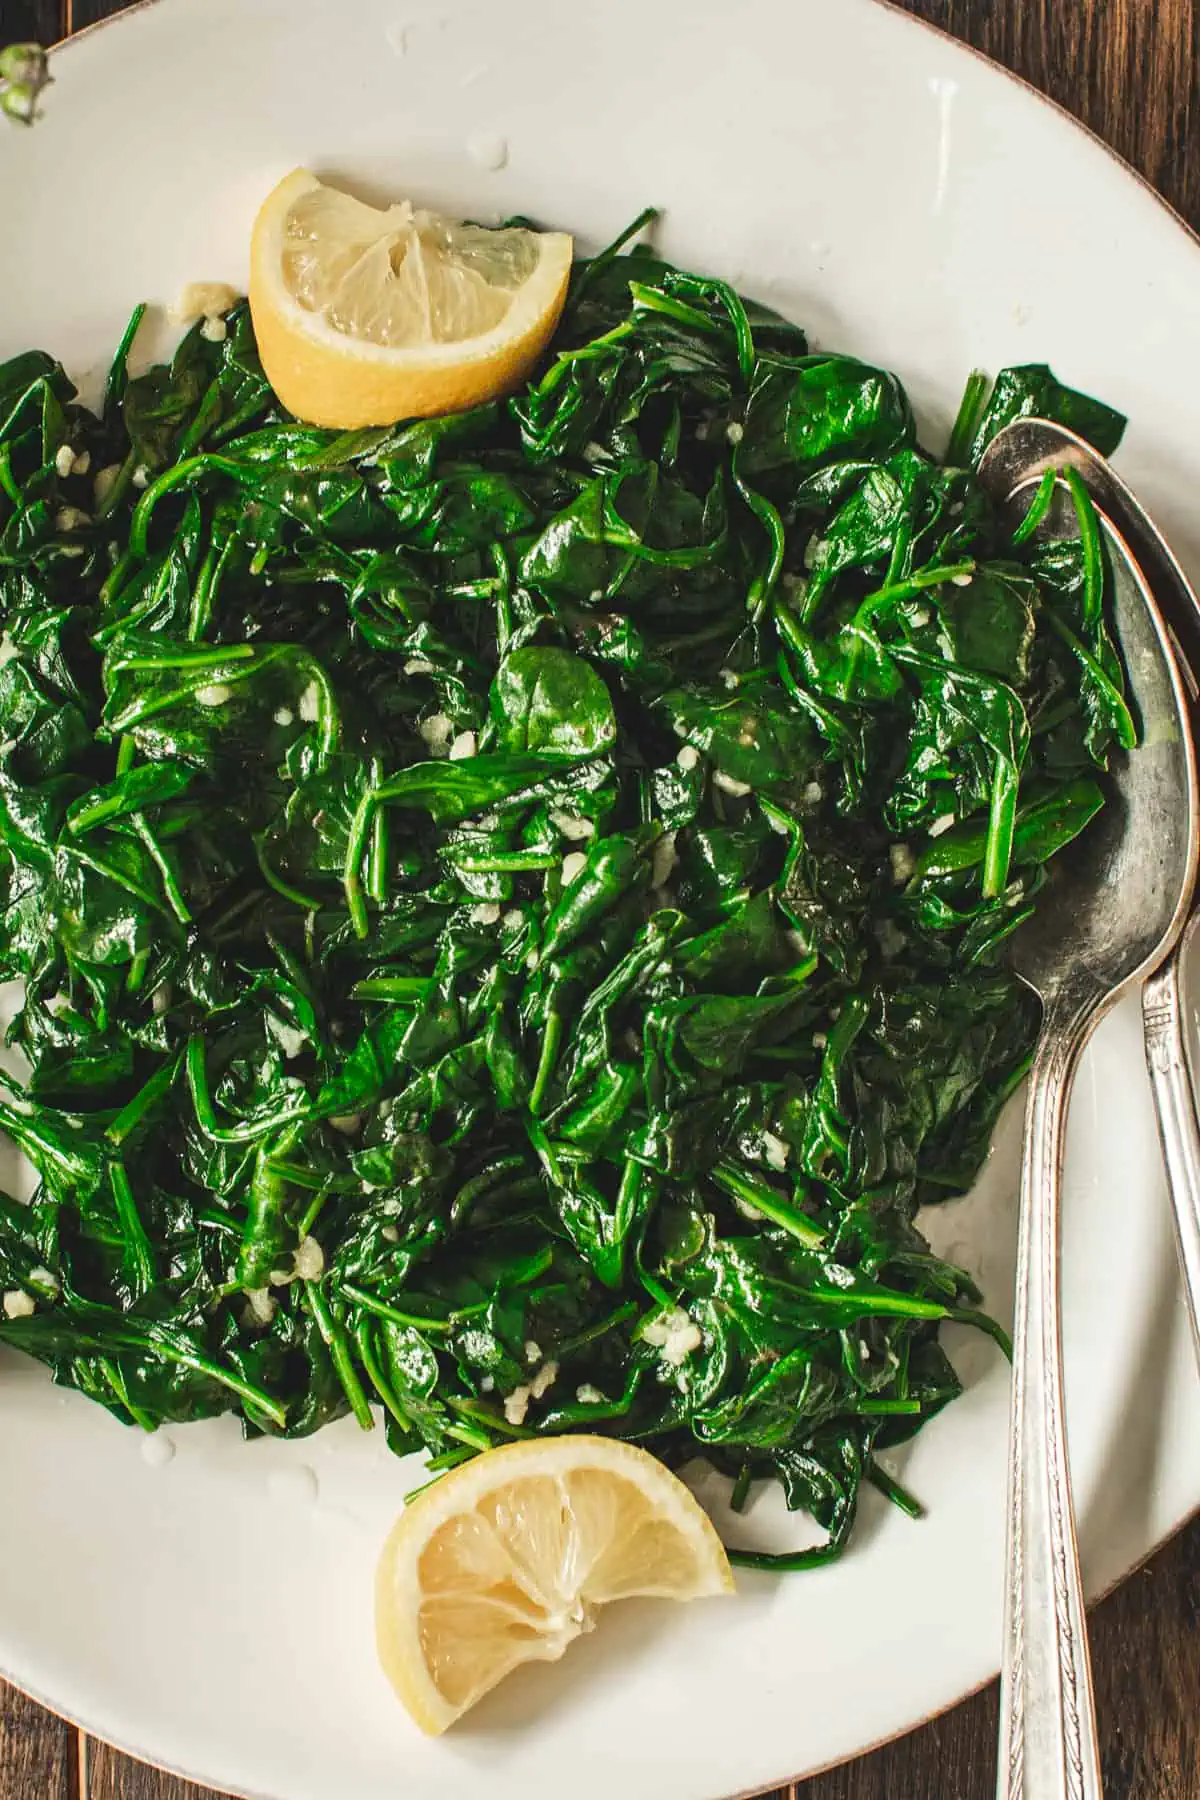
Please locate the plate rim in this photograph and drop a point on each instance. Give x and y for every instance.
(973, 1692)
(900, 11)
(752, 1793)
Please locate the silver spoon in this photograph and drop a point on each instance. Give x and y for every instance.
(1111, 913)
(1032, 446)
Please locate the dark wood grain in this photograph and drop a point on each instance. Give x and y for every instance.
(1130, 70)
(25, 21)
(38, 1753)
(114, 1777)
(86, 12)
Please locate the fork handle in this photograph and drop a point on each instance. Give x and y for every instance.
(1048, 1745)
(1175, 1104)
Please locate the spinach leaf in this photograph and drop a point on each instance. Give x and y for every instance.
(551, 701)
(511, 908)
(1034, 391)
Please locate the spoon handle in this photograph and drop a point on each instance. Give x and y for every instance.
(1047, 1714)
(1175, 1103)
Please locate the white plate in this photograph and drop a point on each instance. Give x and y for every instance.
(866, 176)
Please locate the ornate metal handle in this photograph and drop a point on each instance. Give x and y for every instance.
(1047, 1714)
(1175, 1103)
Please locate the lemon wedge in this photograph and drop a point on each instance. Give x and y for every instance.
(505, 1561)
(366, 315)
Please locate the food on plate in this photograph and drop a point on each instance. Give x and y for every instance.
(365, 315)
(512, 905)
(507, 1561)
(24, 74)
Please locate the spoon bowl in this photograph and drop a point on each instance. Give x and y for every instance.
(1028, 448)
(1115, 908)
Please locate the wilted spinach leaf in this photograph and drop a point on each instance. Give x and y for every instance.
(509, 907)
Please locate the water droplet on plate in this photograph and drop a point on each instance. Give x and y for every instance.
(397, 38)
(296, 1485)
(158, 1450)
(487, 150)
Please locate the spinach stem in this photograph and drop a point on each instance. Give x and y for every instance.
(138, 965)
(377, 859)
(892, 1490)
(147, 1097)
(764, 1199)
(970, 411)
(509, 862)
(282, 887)
(118, 373)
(335, 1342)
(1093, 549)
(437, 1466)
(7, 480)
(119, 1386)
(788, 1562)
(469, 1434)
(366, 1354)
(764, 583)
(585, 273)
(205, 660)
(118, 490)
(551, 1039)
(248, 1132)
(601, 1328)
(476, 1412)
(356, 844)
(207, 582)
(180, 474)
(382, 1309)
(934, 576)
(403, 989)
(137, 1243)
(1039, 506)
(1123, 725)
(483, 1183)
(162, 863)
(313, 1211)
(981, 1321)
(1001, 827)
(113, 872)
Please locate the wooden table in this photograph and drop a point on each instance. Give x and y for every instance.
(1131, 70)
